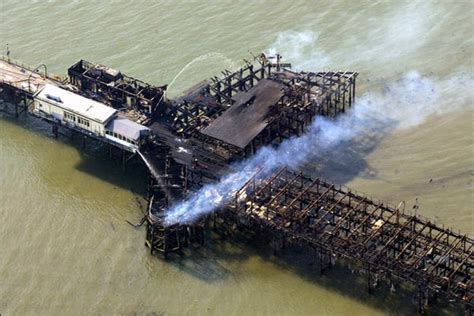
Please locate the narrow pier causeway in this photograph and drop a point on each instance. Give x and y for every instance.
(194, 139)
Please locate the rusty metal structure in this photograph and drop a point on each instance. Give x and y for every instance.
(198, 135)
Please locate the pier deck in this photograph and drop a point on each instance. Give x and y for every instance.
(25, 77)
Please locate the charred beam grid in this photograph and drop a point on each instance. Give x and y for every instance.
(278, 106)
(116, 89)
(384, 240)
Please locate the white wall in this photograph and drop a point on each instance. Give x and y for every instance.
(58, 113)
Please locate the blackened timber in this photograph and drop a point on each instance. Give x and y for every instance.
(248, 116)
(447, 262)
(342, 220)
(116, 89)
(400, 229)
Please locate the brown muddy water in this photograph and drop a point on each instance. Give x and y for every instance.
(65, 248)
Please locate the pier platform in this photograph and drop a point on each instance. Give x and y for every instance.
(194, 140)
(25, 78)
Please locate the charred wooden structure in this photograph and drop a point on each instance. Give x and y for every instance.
(218, 122)
(110, 86)
(385, 241)
(197, 136)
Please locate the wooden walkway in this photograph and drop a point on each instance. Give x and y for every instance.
(383, 240)
(24, 77)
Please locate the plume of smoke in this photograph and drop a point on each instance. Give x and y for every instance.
(402, 104)
(300, 47)
(394, 35)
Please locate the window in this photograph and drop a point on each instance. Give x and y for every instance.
(69, 117)
(121, 137)
(54, 98)
(83, 122)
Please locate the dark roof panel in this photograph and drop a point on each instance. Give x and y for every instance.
(248, 116)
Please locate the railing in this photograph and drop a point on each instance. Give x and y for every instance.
(32, 69)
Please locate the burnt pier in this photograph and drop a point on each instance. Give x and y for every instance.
(385, 241)
(194, 139)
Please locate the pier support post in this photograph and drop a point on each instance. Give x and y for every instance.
(369, 280)
(55, 130)
(468, 311)
(214, 221)
(124, 162)
(323, 263)
(421, 300)
(25, 104)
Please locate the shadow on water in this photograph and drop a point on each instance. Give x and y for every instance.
(210, 262)
(213, 262)
(99, 163)
(347, 160)
(96, 159)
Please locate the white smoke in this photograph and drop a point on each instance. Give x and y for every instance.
(300, 47)
(402, 104)
(382, 40)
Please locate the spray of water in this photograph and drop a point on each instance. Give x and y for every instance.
(204, 57)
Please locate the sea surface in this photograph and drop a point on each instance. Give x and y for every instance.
(65, 246)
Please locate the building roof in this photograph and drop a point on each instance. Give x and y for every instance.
(77, 104)
(248, 116)
(127, 128)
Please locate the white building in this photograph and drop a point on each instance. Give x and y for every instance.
(72, 110)
(88, 116)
